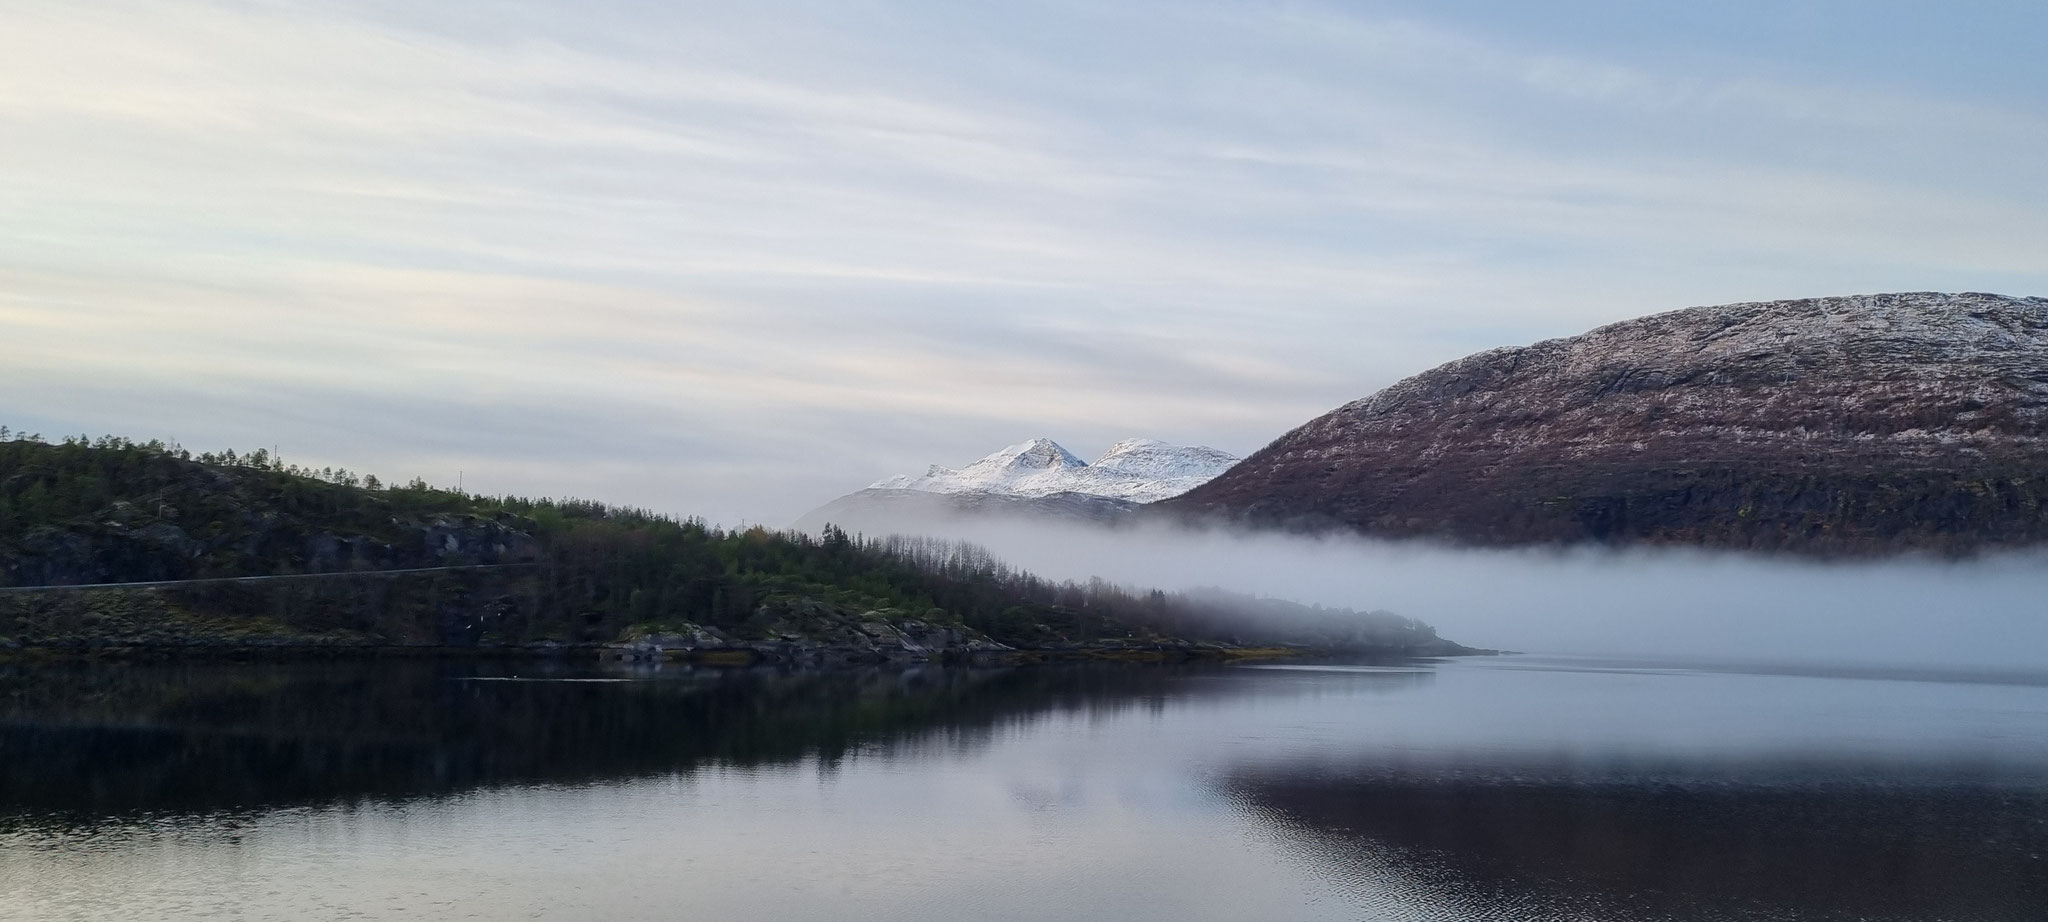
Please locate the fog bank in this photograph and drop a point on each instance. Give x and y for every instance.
(1989, 612)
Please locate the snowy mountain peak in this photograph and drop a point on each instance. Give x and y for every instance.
(1134, 470)
(1035, 455)
(1155, 460)
(1128, 446)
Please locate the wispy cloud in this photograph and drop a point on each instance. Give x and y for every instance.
(735, 261)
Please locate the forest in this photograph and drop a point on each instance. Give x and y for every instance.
(85, 511)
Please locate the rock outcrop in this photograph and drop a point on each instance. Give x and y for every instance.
(1854, 425)
(814, 633)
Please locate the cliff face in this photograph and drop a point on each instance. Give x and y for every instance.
(1853, 425)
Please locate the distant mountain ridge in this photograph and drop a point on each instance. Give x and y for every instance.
(1850, 425)
(1133, 470)
(1035, 479)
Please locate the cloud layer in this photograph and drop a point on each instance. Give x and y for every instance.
(734, 261)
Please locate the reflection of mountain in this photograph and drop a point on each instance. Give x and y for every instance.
(1620, 852)
(99, 741)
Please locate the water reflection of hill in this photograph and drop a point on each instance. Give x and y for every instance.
(1608, 851)
(101, 740)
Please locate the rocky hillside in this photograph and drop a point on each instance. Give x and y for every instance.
(77, 514)
(1855, 425)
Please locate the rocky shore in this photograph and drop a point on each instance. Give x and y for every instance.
(162, 623)
(905, 648)
(912, 641)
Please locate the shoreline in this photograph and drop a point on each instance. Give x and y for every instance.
(728, 656)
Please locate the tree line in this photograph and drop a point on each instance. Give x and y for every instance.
(109, 509)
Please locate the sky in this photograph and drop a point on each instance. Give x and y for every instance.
(734, 260)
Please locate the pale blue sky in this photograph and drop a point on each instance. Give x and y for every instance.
(735, 260)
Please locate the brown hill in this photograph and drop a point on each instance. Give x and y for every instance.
(1855, 425)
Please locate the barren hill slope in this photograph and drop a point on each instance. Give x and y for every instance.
(1851, 425)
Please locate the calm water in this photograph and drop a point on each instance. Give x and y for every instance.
(1501, 788)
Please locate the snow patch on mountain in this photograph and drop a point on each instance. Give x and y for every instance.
(1134, 470)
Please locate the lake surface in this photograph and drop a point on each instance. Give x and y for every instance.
(1507, 788)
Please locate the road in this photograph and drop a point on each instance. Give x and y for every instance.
(159, 584)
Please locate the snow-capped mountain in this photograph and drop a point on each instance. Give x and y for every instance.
(1133, 470)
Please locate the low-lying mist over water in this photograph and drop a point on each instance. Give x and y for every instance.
(512, 341)
(1667, 603)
